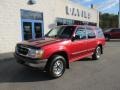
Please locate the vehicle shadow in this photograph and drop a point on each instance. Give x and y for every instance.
(11, 72)
(87, 59)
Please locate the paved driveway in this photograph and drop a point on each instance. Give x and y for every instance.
(103, 74)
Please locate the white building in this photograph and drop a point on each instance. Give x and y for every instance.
(21, 21)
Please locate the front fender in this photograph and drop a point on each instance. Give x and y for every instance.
(48, 52)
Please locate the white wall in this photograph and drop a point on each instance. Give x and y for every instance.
(60, 11)
(10, 18)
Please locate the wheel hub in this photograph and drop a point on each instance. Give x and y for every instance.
(58, 67)
(98, 52)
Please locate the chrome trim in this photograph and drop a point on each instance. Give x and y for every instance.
(23, 54)
(36, 63)
(40, 64)
(21, 47)
(58, 67)
(83, 51)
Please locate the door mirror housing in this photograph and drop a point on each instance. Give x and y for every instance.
(76, 37)
(45, 35)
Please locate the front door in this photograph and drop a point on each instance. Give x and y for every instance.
(32, 29)
(78, 47)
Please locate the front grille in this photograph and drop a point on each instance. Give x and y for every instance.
(22, 50)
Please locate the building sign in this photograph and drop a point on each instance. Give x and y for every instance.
(77, 12)
(26, 14)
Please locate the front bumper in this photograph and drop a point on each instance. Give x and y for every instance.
(35, 63)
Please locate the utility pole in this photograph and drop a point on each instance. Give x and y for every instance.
(119, 15)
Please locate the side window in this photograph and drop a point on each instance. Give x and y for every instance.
(115, 30)
(81, 33)
(91, 34)
(99, 33)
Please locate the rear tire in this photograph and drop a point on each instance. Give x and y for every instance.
(97, 53)
(56, 67)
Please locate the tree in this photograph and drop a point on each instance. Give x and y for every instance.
(108, 21)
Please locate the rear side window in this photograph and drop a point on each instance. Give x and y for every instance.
(91, 34)
(99, 33)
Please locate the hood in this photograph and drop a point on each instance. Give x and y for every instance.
(41, 42)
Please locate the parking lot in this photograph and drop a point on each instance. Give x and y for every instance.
(103, 74)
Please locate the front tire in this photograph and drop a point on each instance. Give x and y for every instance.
(56, 66)
(97, 53)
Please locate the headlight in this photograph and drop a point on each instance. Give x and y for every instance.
(33, 53)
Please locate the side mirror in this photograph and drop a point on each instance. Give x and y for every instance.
(76, 37)
(45, 35)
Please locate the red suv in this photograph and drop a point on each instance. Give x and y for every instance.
(112, 34)
(60, 46)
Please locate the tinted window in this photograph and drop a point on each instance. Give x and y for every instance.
(115, 30)
(99, 33)
(91, 34)
(81, 33)
(27, 29)
(38, 30)
(61, 32)
(108, 30)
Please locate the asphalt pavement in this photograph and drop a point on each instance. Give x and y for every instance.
(86, 74)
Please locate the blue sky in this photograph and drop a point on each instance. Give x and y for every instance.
(105, 6)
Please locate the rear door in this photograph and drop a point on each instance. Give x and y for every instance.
(92, 41)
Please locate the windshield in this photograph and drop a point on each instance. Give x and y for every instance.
(108, 30)
(61, 32)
